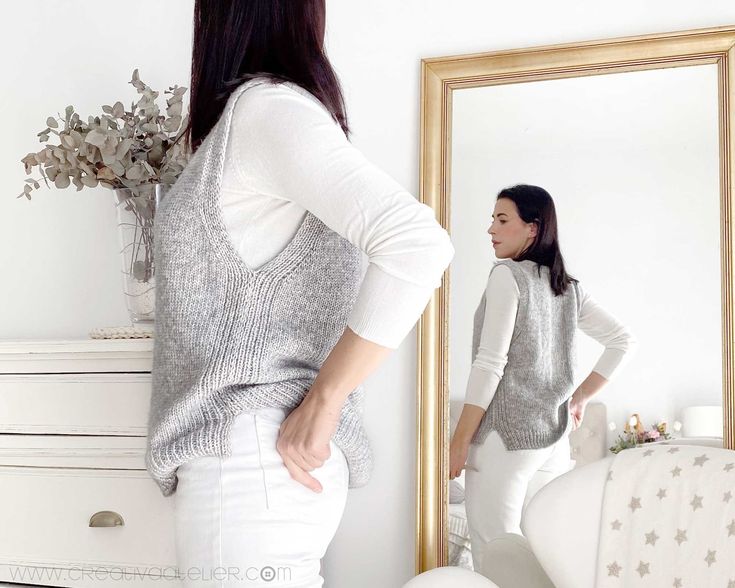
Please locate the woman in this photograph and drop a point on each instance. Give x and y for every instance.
(265, 327)
(513, 434)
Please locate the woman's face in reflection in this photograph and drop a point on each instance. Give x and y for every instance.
(510, 234)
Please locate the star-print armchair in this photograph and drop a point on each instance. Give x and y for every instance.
(658, 517)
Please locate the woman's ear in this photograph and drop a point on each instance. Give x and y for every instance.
(534, 229)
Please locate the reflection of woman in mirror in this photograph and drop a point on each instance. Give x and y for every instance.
(520, 405)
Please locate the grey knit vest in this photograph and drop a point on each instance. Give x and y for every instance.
(230, 339)
(530, 408)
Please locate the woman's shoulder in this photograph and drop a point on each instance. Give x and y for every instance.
(502, 277)
(520, 267)
(576, 284)
(526, 269)
(278, 97)
(503, 265)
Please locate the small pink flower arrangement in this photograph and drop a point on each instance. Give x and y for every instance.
(635, 434)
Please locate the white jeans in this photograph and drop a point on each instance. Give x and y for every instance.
(502, 483)
(243, 521)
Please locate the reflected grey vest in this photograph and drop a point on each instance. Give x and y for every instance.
(530, 408)
(229, 339)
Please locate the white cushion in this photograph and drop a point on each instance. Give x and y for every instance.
(509, 562)
(456, 492)
(588, 442)
(562, 524)
(449, 577)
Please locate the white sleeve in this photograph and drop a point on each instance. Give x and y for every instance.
(289, 147)
(501, 306)
(602, 326)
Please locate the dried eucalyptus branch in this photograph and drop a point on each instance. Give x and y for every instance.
(119, 149)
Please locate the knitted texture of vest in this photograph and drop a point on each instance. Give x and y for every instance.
(530, 408)
(228, 338)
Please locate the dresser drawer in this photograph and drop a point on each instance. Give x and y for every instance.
(46, 512)
(75, 356)
(75, 404)
(75, 451)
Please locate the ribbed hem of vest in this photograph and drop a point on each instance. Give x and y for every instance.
(213, 438)
(517, 442)
(518, 439)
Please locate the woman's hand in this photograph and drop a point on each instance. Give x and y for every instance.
(582, 395)
(459, 446)
(457, 456)
(304, 436)
(576, 408)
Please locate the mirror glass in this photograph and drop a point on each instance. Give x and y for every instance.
(631, 162)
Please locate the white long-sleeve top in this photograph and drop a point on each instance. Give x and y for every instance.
(501, 307)
(286, 155)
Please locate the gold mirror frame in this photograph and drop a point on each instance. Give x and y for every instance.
(439, 78)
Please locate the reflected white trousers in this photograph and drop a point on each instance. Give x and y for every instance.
(502, 483)
(243, 521)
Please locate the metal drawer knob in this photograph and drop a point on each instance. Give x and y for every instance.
(106, 518)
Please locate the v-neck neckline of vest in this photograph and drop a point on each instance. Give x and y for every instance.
(284, 260)
(294, 249)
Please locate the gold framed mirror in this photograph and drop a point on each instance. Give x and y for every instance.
(441, 78)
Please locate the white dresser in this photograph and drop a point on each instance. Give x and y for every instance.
(77, 507)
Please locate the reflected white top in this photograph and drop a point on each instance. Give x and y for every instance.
(287, 155)
(501, 307)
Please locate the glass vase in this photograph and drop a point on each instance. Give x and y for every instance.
(136, 212)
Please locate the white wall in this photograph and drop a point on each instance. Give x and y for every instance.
(632, 162)
(59, 256)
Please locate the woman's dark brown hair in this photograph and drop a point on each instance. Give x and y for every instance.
(535, 205)
(236, 40)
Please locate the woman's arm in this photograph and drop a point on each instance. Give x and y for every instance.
(288, 146)
(606, 329)
(351, 360)
(305, 433)
(501, 306)
(619, 342)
